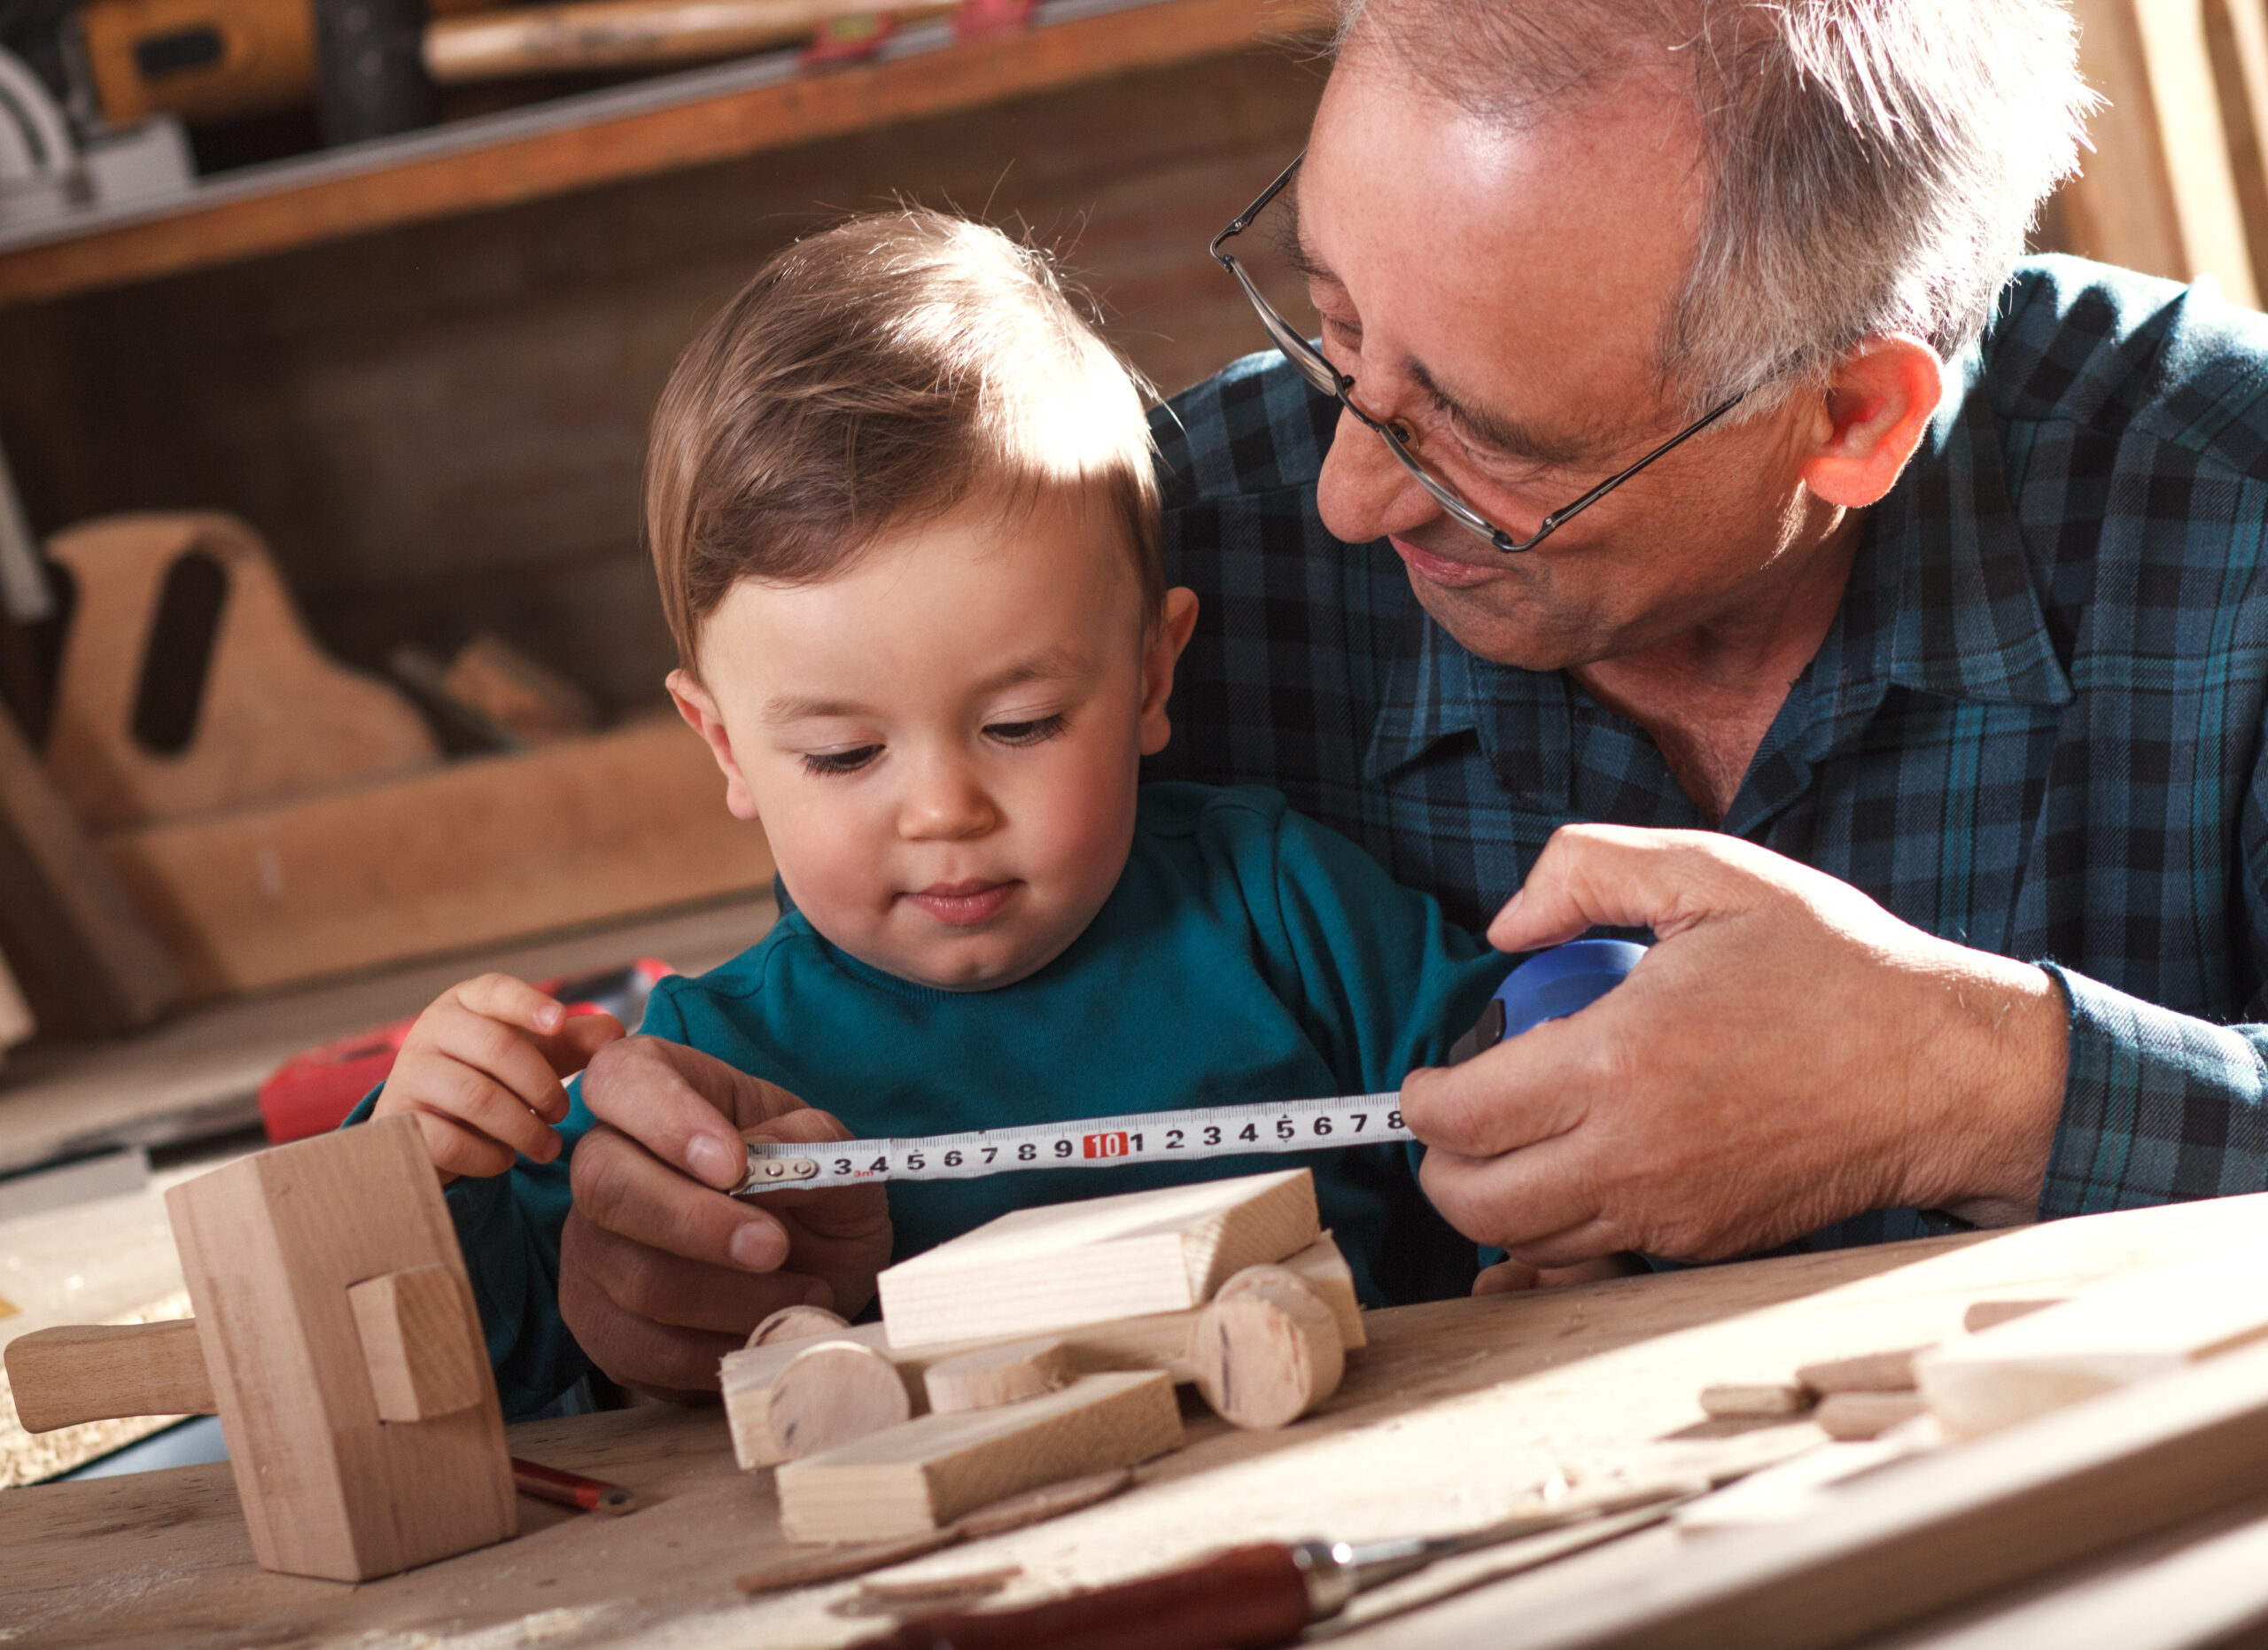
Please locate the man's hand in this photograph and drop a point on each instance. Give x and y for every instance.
(1788, 1054)
(661, 1273)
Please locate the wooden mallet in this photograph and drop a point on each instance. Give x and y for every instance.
(336, 1339)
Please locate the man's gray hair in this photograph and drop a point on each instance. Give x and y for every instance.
(1874, 165)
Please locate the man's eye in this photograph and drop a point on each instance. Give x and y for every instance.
(1025, 732)
(840, 761)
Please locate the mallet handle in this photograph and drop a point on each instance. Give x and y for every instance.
(87, 1372)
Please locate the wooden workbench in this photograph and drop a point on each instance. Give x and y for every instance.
(1456, 1410)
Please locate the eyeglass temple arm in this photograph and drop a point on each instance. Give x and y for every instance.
(1244, 219)
(1558, 516)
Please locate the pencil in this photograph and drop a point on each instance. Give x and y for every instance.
(548, 1483)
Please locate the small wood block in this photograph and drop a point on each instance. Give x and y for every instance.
(1267, 1350)
(1035, 1271)
(421, 1367)
(998, 1374)
(1749, 1400)
(931, 1471)
(818, 1564)
(2114, 1334)
(87, 1372)
(1034, 1507)
(1872, 1372)
(1855, 1417)
(834, 1393)
(797, 1323)
(1983, 1315)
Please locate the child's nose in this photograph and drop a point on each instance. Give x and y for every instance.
(946, 804)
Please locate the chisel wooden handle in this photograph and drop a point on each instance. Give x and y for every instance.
(1246, 1598)
(88, 1372)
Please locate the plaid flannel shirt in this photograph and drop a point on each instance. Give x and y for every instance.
(2034, 726)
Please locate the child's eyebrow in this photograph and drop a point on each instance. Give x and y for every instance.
(1047, 664)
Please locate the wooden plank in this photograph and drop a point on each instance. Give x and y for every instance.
(2158, 193)
(575, 156)
(1035, 1271)
(2110, 1337)
(78, 948)
(928, 1472)
(469, 853)
(270, 1246)
(1888, 1550)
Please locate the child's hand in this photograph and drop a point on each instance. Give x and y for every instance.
(481, 1070)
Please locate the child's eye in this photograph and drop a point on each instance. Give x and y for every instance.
(840, 761)
(1025, 732)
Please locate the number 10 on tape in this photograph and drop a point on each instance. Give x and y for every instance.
(1296, 1125)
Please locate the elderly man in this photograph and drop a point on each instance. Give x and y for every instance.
(1686, 524)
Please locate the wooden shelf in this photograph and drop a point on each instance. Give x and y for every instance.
(650, 127)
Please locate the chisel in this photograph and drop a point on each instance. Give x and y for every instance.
(1266, 1593)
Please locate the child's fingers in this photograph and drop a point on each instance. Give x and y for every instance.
(456, 1150)
(486, 1106)
(570, 1049)
(514, 1001)
(502, 1054)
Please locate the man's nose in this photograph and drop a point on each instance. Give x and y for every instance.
(1364, 493)
(946, 802)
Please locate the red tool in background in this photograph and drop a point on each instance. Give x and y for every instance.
(311, 1093)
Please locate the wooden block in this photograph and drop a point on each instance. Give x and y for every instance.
(746, 1378)
(464, 854)
(1871, 1372)
(421, 1367)
(88, 962)
(2108, 1336)
(1161, 1342)
(1983, 1315)
(1856, 1417)
(270, 1246)
(1267, 1350)
(797, 1323)
(268, 716)
(1035, 1271)
(833, 1393)
(85, 1372)
(929, 1472)
(1002, 1374)
(1048, 1501)
(1747, 1400)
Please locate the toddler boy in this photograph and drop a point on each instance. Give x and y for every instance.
(902, 506)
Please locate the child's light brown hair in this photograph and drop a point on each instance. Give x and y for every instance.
(875, 375)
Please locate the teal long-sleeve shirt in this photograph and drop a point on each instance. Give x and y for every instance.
(1246, 953)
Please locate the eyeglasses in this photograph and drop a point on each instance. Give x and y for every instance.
(1319, 372)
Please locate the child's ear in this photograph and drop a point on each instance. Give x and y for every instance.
(1168, 638)
(700, 713)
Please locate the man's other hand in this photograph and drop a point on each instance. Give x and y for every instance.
(661, 1272)
(1788, 1054)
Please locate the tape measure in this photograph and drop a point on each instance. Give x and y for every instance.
(1548, 986)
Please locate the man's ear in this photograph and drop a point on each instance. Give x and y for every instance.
(700, 713)
(1164, 652)
(1879, 401)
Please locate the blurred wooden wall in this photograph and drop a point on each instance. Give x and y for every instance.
(440, 428)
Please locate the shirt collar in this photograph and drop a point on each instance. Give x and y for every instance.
(1940, 601)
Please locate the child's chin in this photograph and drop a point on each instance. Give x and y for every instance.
(975, 968)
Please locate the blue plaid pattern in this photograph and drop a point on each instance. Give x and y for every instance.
(2035, 726)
